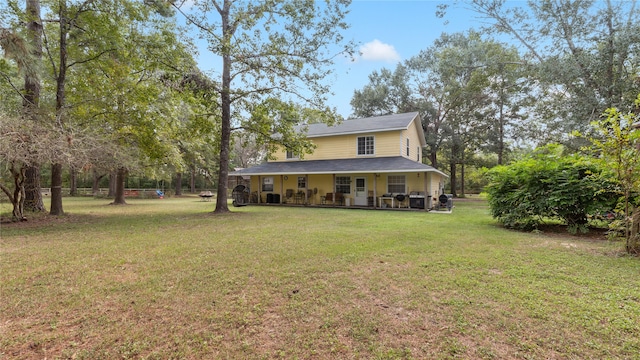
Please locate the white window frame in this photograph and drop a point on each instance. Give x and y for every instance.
(393, 183)
(367, 146)
(290, 155)
(267, 184)
(302, 180)
(344, 182)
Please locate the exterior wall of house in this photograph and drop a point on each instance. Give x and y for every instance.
(415, 149)
(319, 185)
(388, 143)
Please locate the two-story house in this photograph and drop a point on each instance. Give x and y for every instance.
(370, 162)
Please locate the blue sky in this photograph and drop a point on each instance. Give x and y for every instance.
(387, 32)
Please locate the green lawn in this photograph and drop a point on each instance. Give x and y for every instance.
(167, 279)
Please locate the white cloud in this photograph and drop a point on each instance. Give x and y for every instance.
(376, 50)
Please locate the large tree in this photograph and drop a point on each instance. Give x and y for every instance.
(469, 83)
(585, 52)
(119, 56)
(388, 92)
(23, 48)
(274, 48)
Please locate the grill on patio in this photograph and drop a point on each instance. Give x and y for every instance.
(416, 199)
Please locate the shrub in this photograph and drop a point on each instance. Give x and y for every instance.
(549, 185)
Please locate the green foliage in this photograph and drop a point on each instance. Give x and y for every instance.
(278, 49)
(387, 93)
(550, 185)
(584, 52)
(615, 146)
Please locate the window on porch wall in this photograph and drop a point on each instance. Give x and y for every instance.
(267, 183)
(396, 184)
(343, 184)
(302, 182)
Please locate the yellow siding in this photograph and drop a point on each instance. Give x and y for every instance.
(389, 143)
(415, 149)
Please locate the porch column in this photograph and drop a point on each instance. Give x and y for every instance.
(426, 190)
(375, 190)
(427, 196)
(334, 191)
(259, 189)
(306, 189)
(281, 188)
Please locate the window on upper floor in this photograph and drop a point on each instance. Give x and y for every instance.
(418, 154)
(366, 145)
(292, 155)
(408, 151)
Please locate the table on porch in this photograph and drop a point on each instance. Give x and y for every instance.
(382, 200)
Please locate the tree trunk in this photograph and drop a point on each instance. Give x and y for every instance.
(462, 193)
(56, 190)
(119, 183)
(56, 169)
(453, 179)
(192, 181)
(225, 97)
(17, 196)
(433, 158)
(32, 191)
(500, 149)
(178, 184)
(73, 181)
(633, 241)
(112, 184)
(95, 189)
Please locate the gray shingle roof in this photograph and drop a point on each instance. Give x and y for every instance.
(364, 125)
(395, 164)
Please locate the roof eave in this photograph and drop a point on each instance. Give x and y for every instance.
(270, 173)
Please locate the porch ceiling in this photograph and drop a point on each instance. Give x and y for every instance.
(396, 164)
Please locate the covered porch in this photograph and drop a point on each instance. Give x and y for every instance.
(373, 183)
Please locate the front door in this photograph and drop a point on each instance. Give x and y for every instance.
(360, 196)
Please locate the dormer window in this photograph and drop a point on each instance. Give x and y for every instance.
(366, 145)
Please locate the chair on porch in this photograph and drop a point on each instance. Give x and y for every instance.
(333, 198)
(288, 196)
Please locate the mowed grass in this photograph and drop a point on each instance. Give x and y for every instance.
(163, 279)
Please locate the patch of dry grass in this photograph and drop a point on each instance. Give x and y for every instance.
(167, 279)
